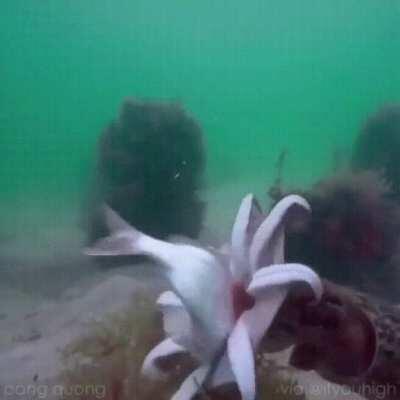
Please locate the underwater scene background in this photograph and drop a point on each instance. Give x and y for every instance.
(268, 97)
(259, 77)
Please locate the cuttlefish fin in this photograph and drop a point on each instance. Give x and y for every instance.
(123, 240)
(114, 221)
(126, 240)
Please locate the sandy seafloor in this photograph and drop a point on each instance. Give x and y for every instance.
(50, 298)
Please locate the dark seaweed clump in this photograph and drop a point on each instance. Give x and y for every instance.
(378, 145)
(149, 169)
(352, 236)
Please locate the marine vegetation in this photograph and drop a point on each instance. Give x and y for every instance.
(221, 304)
(107, 363)
(377, 145)
(149, 169)
(106, 359)
(352, 235)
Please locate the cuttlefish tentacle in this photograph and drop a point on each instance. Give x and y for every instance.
(267, 245)
(193, 384)
(248, 219)
(283, 274)
(177, 322)
(269, 287)
(164, 349)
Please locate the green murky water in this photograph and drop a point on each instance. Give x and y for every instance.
(260, 76)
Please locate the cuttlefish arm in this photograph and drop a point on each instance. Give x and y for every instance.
(267, 245)
(255, 239)
(248, 219)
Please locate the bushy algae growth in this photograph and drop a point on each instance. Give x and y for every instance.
(108, 360)
(351, 236)
(377, 146)
(149, 168)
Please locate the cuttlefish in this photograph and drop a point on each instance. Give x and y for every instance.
(350, 338)
(224, 306)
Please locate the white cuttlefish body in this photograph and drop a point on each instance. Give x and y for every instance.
(213, 302)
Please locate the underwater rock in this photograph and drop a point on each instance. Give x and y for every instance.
(118, 371)
(377, 146)
(149, 169)
(29, 336)
(62, 324)
(109, 357)
(352, 236)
